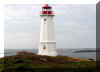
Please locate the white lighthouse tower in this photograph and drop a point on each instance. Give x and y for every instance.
(47, 37)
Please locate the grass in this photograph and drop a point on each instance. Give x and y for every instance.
(29, 62)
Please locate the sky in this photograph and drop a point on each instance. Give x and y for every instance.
(75, 25)
(3, 25)
(51, 1)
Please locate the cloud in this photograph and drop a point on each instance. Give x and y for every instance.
(75, 25)
(21, 40)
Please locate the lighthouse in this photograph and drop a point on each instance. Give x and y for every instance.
(47, 44)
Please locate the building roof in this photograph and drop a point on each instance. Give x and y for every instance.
(47, 6)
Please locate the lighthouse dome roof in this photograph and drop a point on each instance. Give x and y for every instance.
(47, 6)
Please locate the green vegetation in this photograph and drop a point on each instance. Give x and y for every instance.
(29, 62)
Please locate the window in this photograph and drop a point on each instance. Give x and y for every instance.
(44, 47)
(45, 19)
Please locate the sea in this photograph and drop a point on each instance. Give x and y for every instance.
(61, 51)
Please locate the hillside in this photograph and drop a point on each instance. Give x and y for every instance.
(29, 62)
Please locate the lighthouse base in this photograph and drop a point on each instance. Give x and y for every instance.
(47, 48)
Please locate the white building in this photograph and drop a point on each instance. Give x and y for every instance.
(47, 37)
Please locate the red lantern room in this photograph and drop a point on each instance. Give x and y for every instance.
(47, 9)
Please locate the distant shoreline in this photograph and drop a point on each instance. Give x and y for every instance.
(85, 51)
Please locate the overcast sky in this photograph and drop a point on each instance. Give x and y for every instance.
(75, 25)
